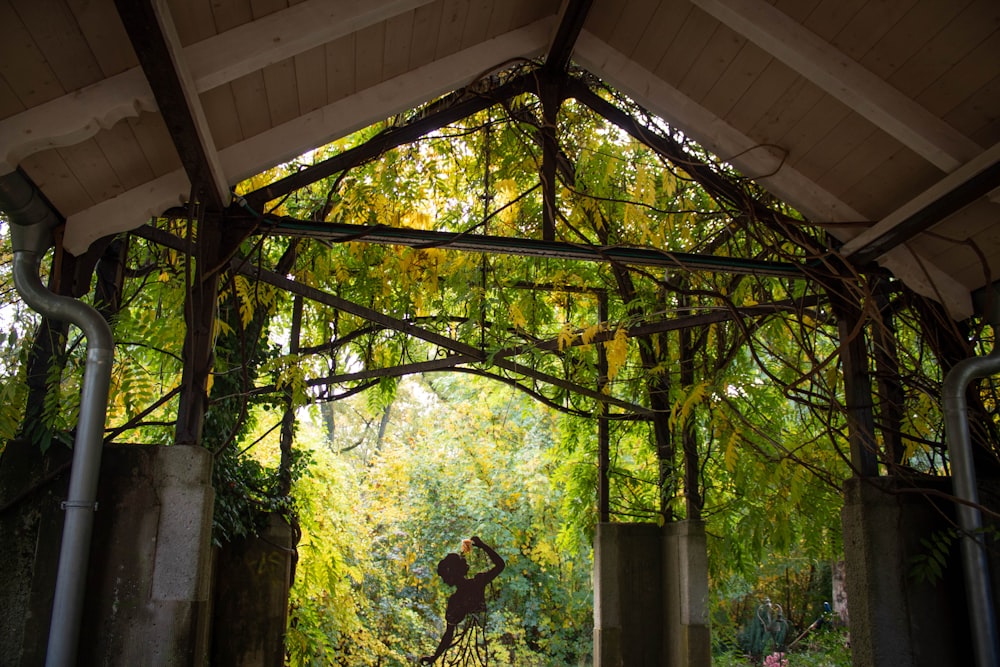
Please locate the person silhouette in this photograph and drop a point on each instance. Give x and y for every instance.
(470, 593)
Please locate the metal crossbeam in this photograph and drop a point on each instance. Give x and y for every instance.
(505, 245)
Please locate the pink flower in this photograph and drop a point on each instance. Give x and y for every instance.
(776, 660)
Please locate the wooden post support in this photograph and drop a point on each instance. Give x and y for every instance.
(857, 389)
(200, 310)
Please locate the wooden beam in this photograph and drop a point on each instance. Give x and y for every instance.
(764, 165)
(157, 46)
(976, 178)
(212, 62)
(551, 97)
(504, 245)
(200, 312)
(572, 16)
(846, 80)
(464, 106)
(284, 142)
(857, 389)
(383, 100)
(281, 35)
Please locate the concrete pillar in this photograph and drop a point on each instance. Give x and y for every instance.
(252, 578)
(686, 637)
(148, 581)
(628, 587)
(897, 619)
(651, 595)
(31, 488)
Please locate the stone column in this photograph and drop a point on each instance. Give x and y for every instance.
(897, 618)
(147, 594)
(250, 604)
(628, 587)
(686, 637)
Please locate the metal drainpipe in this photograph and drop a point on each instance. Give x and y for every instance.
(982, 616)
(31, 235)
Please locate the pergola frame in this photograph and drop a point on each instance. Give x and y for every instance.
(177, 74)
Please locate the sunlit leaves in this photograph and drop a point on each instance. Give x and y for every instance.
(617, 352)
(684, 406)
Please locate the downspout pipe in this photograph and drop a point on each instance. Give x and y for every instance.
(982, 615)
(31, 235)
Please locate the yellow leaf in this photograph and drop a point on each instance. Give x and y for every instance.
(617, 351)
(222, 327)
(730, 456)
(695, 396)
(590, 333)
(517, 318)
(566, 337)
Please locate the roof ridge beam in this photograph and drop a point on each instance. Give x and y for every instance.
(571, 19)
(844, 79)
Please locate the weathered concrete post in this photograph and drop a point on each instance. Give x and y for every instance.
(628, 587)
(147, 597)
(897, 618)
(181, 579)
(651, 595)
(250, 604)
(686, 637)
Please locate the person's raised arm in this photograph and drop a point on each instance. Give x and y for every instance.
(498, 562)
(443, 646)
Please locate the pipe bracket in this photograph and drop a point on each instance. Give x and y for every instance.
(78, 505)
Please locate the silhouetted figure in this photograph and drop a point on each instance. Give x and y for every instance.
(468, 599)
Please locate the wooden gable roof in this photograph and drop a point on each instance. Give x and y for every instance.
(879, 120)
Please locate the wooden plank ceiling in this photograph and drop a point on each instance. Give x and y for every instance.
(880, 120)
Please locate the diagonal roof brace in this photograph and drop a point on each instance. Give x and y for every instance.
(157, 46)
(977, 178)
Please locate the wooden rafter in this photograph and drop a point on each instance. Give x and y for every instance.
(284, 34)
(955, 191)
(316, 128)
(846, 80)
(572, 17)
(211, 62)
(766, 165)
(158, 48)
(463, 106)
